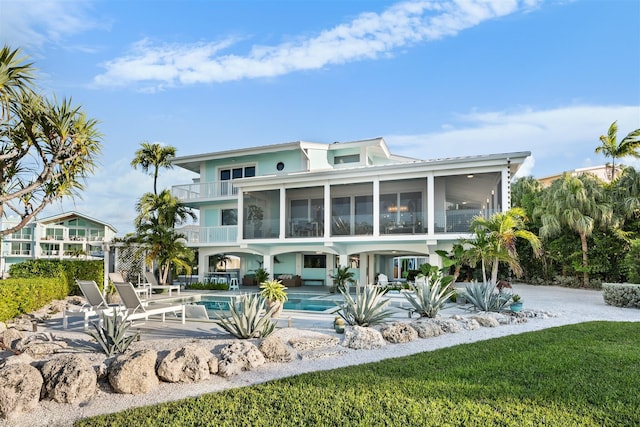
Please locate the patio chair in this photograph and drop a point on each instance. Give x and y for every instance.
(196, 312)
(153, 283)
(95, 305)
(136, 309)
(141, 289)
(383, 280)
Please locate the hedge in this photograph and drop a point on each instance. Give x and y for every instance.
(621, 294)
(24, 295)
(70, 270)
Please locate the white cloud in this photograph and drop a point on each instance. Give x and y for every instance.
(368, 36)
(560, 139)
(35, 23)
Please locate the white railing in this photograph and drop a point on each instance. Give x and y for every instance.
(221, 234)
(205, 190)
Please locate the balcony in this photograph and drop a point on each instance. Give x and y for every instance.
(459, 220)
(221, 234)
(205, 191)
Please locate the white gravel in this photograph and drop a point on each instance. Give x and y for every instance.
(570, 306)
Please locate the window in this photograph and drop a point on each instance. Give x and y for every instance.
(229, 217)
(237, 173)
(315, 261)
(351, 158)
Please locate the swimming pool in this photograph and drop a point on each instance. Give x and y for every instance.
(304, 302)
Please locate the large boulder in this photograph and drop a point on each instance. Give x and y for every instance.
(188, 364)
(361, 338)
(274, 350)
(449, 325)
(20, 386)
(134, 373)
(237, 357)
(399, 333)
(312, 342)
(9, 338)
(486, 320)
(427, 328)
(69, 379)
(40, 345)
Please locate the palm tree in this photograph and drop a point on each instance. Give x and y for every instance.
(499, 233)
(153, 156)
(165, 207)
(16, 77)
(629, 146)
(578, 203)
(341, 277)
(222, 259)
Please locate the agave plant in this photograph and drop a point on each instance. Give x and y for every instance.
(248, 317)
(367, 309)
(486, 297)
(111, 333)
(429, 296)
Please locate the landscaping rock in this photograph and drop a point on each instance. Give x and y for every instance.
(69, 379)
(188, 364)
(469, 324)
(237, 357)
(17, 359)
(10, 338)
(450, 326)
(486, 320)
(134, 373)
(40, 345)
(274, 350)
(20, 386)
(361, 338)
(3, 327)
(313, 342)
(427, 328)
(23, 323)
(399, 332)
(213, 365)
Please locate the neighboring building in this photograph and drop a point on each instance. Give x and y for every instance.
(303, 208)
(66, 236)
(603, 172)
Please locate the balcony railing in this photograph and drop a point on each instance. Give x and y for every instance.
(205, 191)
(221, 234)
(459, 220)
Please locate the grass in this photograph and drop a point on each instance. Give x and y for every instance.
(579, 375)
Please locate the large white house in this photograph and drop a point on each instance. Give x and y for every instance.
(304, 208)
(70, 235)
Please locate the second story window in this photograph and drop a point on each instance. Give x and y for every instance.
(229, 216)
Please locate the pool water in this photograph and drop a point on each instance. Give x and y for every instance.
(304, 302)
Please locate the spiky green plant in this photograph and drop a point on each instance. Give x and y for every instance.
(367, 309)
(429, 296)
(111, 333)
(248, 317)
(486, 297)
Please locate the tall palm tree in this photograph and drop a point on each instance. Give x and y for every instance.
(629, 146)
(578, 203)
(153, 156)
(499, 233)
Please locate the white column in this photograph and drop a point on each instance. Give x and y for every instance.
(268, 264)
(376, 207)
(240, 215)
(283, 211)
(506, 200)
(327, 210)
(431, 203)
(343, 260)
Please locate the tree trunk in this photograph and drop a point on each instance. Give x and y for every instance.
(494, 271)
(585, 260)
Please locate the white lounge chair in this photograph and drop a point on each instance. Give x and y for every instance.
(383, 280)
(95, 305)
(135, 309)
(153, 283)
(143, 289)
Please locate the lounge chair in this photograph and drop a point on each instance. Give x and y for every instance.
(383, 280)
(142, 289)
(95, 305)
(196, 312)
(153, 283)
(136, 309)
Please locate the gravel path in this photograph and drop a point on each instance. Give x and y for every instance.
(570, 306)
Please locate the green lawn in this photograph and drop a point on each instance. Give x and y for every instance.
(579, 375)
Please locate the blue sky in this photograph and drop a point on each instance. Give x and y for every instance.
(434, 78)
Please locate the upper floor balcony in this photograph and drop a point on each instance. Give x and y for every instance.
(205, 191)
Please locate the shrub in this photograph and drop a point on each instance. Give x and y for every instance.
(273, 290)
(208, 286)
(621, 294)
(248, 317)
(111, 333)
(19, 296)
(367, 309)
(486, 297)
(631, 263)
(429, 297)
(70, 270)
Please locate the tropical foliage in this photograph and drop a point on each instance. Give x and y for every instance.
(429, 296)
(368, 308)
(341, 277)
(629, 146)
(112, 333)
(47, 147)
(486, 296)
(247, 317)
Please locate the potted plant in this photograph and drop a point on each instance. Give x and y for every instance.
(340, 279)
(516, 303)
(262, 275)
(274, 292)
